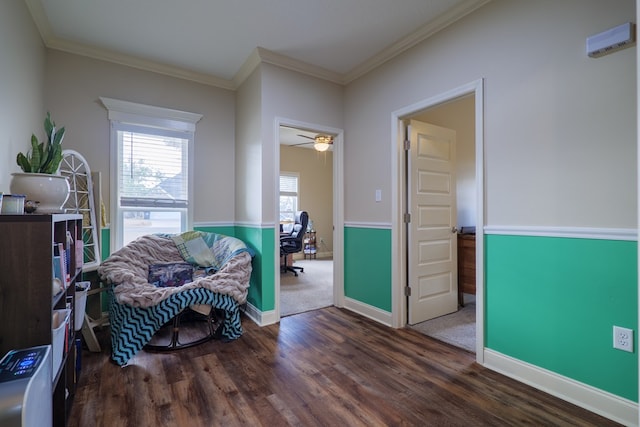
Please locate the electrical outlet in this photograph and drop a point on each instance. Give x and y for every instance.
(623, 339)
(322, 240)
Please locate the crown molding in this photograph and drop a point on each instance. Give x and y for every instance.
(139, 63)
(414, 38)
(269, 57)
(261, 55)
(52, 42)
(249, 65)
(40, 19)
(258, 55)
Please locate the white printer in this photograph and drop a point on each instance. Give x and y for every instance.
(25, 388)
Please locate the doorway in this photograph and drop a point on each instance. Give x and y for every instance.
(439, 110)
(314, 174)
(448, 316)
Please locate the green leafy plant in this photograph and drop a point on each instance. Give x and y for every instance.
(44, 157)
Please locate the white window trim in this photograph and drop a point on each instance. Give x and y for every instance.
(132, 113)
(149, 115)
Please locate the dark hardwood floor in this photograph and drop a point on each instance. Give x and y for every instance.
(327, 367)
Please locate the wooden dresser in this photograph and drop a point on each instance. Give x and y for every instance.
(466, 266)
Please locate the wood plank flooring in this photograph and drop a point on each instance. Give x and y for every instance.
(327, 367)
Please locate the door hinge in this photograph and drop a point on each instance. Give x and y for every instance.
(407, 291)
(407, 218)
(407, 145)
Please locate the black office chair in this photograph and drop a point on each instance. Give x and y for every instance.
(294, 242)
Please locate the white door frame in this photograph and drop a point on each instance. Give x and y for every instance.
(398, 257)
(338, 207)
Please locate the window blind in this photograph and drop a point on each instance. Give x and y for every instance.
(152, 169)
(289, 184)
(288, 196)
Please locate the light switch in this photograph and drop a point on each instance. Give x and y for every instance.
(378, 195)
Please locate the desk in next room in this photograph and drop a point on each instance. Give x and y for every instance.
(466, 266)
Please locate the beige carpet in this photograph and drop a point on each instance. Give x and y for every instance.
(457, 328)
(311, 290)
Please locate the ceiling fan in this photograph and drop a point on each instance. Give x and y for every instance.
(320, 142)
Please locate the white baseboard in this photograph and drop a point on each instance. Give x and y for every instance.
(259, 317)
(369, 311)
(264, 318)
(595, 400)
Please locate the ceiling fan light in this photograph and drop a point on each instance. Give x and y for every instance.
(321, 146)
(322, 142)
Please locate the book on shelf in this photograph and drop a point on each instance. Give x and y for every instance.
(79, 253)
(67, 248)
(58, 271)
(67, 327)
(60, 264)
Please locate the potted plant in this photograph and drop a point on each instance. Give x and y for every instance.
(44, 157)
(40, 180)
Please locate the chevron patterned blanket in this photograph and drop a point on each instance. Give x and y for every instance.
(133, 327)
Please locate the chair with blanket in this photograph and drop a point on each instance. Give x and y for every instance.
(156, 279)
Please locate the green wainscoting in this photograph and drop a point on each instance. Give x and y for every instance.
(262, 241)
(552, 302)
(105, 246)
(367, 266)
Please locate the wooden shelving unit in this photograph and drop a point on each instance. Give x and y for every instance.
(26, 297)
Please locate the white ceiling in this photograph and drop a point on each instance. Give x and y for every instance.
(211, 40)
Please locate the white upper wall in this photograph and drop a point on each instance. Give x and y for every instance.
(22, 56)
(271, 94)
(74, 85)
(249, 182)
(560, 127)
(300, 98)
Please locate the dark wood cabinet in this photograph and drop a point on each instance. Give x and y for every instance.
(27, 302)
(466, 266)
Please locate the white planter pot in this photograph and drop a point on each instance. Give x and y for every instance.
(51, 191)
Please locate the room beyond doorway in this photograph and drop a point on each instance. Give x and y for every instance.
(307, 291)
(314, 174)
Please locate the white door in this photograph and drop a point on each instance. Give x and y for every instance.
(432, 239)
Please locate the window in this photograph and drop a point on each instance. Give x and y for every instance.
(153, 181)
(288, 196)
(151, 173)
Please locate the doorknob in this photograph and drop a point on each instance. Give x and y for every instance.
(454, 229)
